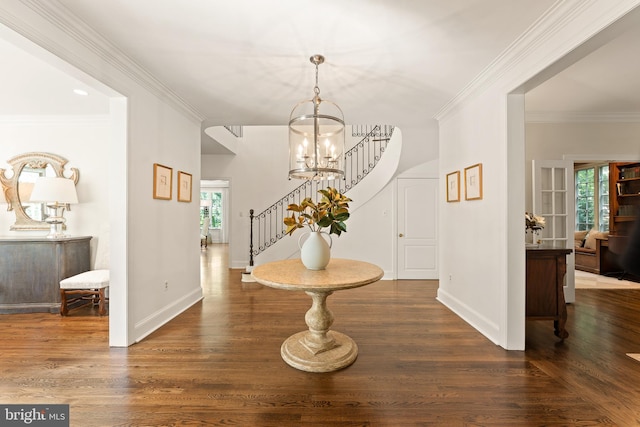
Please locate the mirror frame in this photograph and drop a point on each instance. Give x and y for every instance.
(35, 160)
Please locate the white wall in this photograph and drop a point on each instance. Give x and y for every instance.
(152, 242)
(420, 145)
(163, 236)
(608, 141)
(79, 139)
(484, 261)
(472, 233)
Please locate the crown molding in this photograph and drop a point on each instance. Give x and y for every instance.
(581, 117)
(543, 30)
(73, 27)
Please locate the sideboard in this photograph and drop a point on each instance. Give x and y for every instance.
(31, 269)
(546, 269)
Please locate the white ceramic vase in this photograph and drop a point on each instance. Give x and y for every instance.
(315, 252)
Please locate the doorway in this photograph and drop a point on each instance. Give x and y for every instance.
(214, 209)
(417, 228)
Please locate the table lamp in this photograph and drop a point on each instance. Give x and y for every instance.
(57, 193)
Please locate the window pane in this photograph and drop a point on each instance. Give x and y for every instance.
(216, 210)
(585, 201)
(559, 180)
(211, 208)
(545, 179)
(559, 205)
(547, 203)
(559, 226)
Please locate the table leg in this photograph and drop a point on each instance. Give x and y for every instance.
(319, 349)
(559, 325)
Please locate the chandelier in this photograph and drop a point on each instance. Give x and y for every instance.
(316, 137)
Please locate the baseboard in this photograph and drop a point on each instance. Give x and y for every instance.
(486, 327)
(156, 320)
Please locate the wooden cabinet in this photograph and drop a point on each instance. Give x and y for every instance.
(31, 270)
(545, 280)
(624, 196)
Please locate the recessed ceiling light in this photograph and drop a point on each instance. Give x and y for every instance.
(80, 92)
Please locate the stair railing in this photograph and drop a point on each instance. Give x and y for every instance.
(268, 226)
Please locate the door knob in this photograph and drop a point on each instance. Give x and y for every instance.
(401, 235)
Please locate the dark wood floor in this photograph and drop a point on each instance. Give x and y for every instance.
(219, 363)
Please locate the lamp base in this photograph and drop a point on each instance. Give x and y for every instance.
(56, 222)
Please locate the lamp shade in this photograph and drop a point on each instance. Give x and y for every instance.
(54, 189)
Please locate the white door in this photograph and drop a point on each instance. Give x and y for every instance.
(554, 199)
(417, 228)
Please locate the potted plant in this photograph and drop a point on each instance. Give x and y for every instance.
(330, 212)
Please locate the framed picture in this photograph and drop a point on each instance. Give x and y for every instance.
(162, 182)
(184, 187)
(453, 186)
(473, 182)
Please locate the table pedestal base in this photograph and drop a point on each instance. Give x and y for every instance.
(297, 353)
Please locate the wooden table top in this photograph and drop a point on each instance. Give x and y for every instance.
(292, 275)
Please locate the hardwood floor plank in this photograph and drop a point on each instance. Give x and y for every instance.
(219, 363)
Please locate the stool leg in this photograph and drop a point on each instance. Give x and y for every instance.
(63, 303)
(101, 306)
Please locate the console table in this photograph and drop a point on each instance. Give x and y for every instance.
(31, 269)
(545, 281)
(318, 349)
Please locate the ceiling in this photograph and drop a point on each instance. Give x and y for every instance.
(31, 86)
(246, 62)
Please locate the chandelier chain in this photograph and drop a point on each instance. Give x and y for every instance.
(316, 89)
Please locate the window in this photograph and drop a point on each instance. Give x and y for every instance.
(592, 197)
(211, 208)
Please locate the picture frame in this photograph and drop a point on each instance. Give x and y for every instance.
(473, 182)
(184, 186)
(453, 186)
(162, 182)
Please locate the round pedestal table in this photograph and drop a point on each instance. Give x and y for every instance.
(318, 349)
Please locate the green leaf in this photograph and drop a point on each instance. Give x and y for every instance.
(325, 221)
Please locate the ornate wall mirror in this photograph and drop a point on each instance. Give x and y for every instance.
(17, 186)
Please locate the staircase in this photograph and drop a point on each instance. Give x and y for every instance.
(267, 227)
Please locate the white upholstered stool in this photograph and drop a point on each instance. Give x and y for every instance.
(90, 283)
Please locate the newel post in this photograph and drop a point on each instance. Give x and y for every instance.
(251, 238)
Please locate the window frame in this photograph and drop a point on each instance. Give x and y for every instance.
(597, 197)
(208, 211)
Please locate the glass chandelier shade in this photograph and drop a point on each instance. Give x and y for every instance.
(316, 137)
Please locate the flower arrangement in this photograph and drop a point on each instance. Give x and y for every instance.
(533, 222)
(332, 211)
